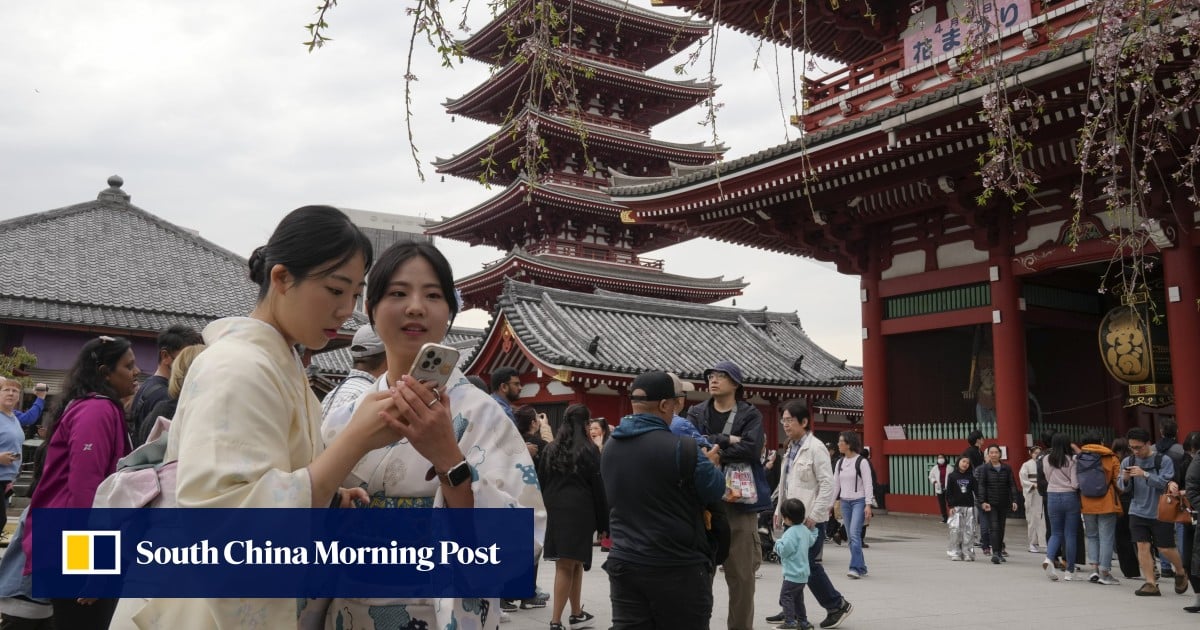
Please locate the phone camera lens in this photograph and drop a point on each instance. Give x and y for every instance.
(437, 361)
(425, 365)
(430, 354)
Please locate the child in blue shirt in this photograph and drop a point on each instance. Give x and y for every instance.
(792, 548)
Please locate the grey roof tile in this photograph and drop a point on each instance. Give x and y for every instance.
(338, 361)
(640, 333)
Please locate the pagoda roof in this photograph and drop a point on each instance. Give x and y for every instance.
(608, 333)
(599, 138)
(491, 44)
(844, 33)
(339, 361)
(512, 205)
(624, 278)
(842, 166)
(492, 99)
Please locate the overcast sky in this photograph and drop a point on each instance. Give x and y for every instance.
(220, 121)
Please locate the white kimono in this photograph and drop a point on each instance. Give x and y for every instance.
(502, 475)
(245, 431)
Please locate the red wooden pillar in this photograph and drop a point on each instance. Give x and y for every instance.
(1008, 352)
(875, 396)
(1181, 274)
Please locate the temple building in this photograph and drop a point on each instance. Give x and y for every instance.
(574, 347)
(554, 155)
(973, 316)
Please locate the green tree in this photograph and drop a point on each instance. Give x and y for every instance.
(13, 363)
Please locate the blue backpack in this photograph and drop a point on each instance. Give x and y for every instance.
(1089, 472)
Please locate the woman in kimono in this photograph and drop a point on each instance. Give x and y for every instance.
(411, 301)
(247, 429)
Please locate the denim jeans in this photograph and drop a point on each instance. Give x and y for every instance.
(1100, 531)
(818, 581)
(853, 515)
(1064, 525)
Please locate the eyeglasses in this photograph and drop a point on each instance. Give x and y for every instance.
(788, 420)
(718, 376)
(1137, 447)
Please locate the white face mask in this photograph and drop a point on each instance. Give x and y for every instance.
(941, 460)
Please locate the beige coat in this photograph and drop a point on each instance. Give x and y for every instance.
(246, 429)
(809, 477)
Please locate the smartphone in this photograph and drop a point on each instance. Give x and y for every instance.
(433, 364)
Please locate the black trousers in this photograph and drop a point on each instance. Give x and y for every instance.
(941, 497)
(69, 614)
(996, 521)
(12, 622)
(791, 599)
(666, 598)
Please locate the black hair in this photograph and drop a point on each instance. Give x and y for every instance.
(502, 376)
(604, 428)
(477, 382)
(1137, 433)
(571, 441)
(852, 440)
(393, 258)
(177, 338)
(1191, 443)
(525, 417)
(974, 436)
(370, 363)
(989, 447)
(799, 411)
(89, 375)
(309, 240)
(793, 510)
(1169, 428)
(1120, 447)
(1060, 447)
(1091, 437)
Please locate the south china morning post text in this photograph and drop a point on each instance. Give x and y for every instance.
(283, 553)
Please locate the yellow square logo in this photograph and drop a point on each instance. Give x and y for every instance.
(91, 552)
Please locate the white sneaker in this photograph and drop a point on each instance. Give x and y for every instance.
(1068, 575)
(1033, 549)
(957, 557)
(853, 575)
(1108, 579)
(1048, 567)
(505, 617)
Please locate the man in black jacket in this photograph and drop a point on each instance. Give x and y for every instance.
(659, 569)
(997, 493)
(736, 426)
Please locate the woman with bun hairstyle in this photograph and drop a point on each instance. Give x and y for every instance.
(247, 429)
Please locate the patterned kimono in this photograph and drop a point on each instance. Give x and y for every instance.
(245, 431)
(502, 475)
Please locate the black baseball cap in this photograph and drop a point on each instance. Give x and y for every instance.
(654, 386)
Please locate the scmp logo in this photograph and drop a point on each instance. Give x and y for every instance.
(91, 553)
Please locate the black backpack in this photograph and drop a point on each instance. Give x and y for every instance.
(715, 520)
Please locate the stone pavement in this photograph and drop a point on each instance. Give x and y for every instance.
(913, 585)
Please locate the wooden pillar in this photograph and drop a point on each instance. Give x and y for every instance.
(875, 396)
(1008, 353)
(1181, 274)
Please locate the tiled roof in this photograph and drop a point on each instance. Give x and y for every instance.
(108, 263)
(339, 361)
(617, 271)
(639, 333)
(849, 401)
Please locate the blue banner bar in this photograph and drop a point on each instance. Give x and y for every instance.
(283, 553)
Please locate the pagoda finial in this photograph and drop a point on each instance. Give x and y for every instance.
(114, 192)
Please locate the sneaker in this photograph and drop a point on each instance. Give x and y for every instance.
(775, 619)
(788, 625)
(584, 619)
(1004, 557)
(1192, 609)
(987, 551)
(1033, 549)
(505, 617)
(556, 626)
(532, 602)
(1108, 580)
(1004, 552)
(508, 605)
(996, 559)
(836, 617)
(1069, 575)
(853, 575)
(804, 625)
(1051, 573)
(1147, 590)
(1181, 583)
(1094, 577)
(958, 557)
(971, 557)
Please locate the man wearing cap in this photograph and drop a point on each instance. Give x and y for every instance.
(659, 569)
(736, 426)
(370, 360)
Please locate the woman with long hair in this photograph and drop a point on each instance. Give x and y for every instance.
(854, 486)
(961, 489)
(83, 445)
(577, 509)
(598, 432)
(1063, 507)
(247, 429)
(460, 449)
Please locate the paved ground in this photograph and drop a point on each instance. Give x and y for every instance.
(913, 585)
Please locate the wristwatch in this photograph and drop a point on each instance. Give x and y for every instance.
(457, 474)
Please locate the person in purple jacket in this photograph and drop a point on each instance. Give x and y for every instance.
(83, 446)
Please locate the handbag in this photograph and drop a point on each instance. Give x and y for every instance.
(1174, 508)
(739, 483)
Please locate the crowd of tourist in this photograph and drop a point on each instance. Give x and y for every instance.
(672, 496)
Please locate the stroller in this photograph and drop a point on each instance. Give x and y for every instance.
(765, 539)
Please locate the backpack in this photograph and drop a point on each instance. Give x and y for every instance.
(141, 480)
(857, 471)
(1043, 484)
(1089, 472)
(715, 520)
